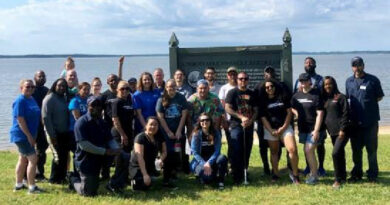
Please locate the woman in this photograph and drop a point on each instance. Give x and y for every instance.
(78, 105)
(276, 115)
(208, 163)
(122, 116)
(308, 107)
(172, 112)
(96, 86)
(25, 121)
(143, 159)
(56, 122)
(336, 121)
(145, 100)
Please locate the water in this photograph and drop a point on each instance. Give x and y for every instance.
(13, 70)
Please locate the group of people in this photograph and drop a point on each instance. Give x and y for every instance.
(147, 126)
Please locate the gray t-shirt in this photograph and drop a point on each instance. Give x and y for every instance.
(173, 112)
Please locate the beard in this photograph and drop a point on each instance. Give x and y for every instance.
(310, 69)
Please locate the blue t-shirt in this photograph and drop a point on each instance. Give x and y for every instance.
(77, 103)
(29, 110)
(146, 101)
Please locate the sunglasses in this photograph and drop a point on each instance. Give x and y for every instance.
(205, 120)
(30, 87)
(243, 79)
(124, 88)
(269, 87)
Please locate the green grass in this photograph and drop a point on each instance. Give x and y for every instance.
(260, 190)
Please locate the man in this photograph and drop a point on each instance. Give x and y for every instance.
(204, 101)
(316, 82)
(107, 97)
(364, 91)
(93, 137)
(72, 80)
(41, 142)
(133, 85)
(181, 87)
(158, 76)
(231, 84)
(240, 104)
(209, 75)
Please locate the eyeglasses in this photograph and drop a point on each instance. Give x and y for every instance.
(269, 87)
(205, 120)
(243, 79)
(124, 88)
(30, 87)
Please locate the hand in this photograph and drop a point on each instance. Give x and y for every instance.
(171, 135)
(147, 180)
(341, 134)
(281, 130)
(112, 152)
(245, 121)
(274, 133)
(121, 59)
(178, 134)
(207, 169)
(315, 135)
(31, 141)
(124, 140)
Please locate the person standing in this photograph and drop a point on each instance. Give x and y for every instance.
(96, 86)
(158, 76)
(240, 104)
(182, 87)
(209, 75)
(55, 117)
(73, 84)
(364, 91)
(41, 143)
(25, 121)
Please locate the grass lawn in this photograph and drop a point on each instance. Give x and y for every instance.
(260, 190)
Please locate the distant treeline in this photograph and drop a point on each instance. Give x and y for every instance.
(148, 55)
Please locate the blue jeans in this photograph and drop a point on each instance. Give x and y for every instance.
(219, 170)
(240, 153)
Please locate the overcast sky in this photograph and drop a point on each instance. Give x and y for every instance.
(144, 27)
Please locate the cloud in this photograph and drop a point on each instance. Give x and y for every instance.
(142, 26)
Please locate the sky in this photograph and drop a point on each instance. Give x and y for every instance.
(144, 26)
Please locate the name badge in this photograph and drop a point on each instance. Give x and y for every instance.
(362, 87)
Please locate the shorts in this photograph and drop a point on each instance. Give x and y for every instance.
(25, 148)
(268, 136)
(307, 138)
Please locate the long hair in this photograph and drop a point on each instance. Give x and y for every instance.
(165, 98)
(278, 91)
(140, 85)
(53, 87)
(211, 130)
(335, 91)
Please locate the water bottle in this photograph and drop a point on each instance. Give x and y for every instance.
(177, 146)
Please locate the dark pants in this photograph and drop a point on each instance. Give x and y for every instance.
(338, 155)
(59, 165)
(41, 147)
(365, 137)
(86, 185)
(121, 174)
(241, 153)
(219, 170)
(171, 162)
(263, 148)
(138, 182)
(185, 159)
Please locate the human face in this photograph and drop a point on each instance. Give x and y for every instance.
(96, 111)
(267, 76)
(96, 86)
(71, 78)
(232, 77)
(27, 88)
(147, 82)
(209, 75)
(171, 88)
(309, 65)
(305, 84)
(270, 88)
(112, 81)
(40, 78)
(151, 127)
(203, 91)
(84, 91)
(133, 87)
(123, 90)
(328, 86)
(358, 70)
(204, 122)
(243, 80)
(179, 76)
(158, 77)
(60, 87)
(69, 65)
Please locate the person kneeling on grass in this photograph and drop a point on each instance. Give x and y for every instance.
(92, 136)
(208, 163)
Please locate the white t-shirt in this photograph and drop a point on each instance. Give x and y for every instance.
(224, 90)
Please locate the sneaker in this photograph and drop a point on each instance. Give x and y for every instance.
(40, 179)
(221, 186)
(306, 171)
(35, 190)
(321, 172)
(311, 180)
(18, 188)
(113, 190)
(354, 179)
(296, 180)
(336, 185)
(275, 178)
(170, 185)
(372, 179)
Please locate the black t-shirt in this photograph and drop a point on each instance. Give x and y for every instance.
(123, 109)
(40, 93)
(107, 98)
(307, 105)
(275, 110)
(207, 148)
(150, 151)
(337, 116)
(242, 102)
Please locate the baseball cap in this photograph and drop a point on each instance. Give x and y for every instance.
(357, 61)
(232, 69)
(304, 77)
